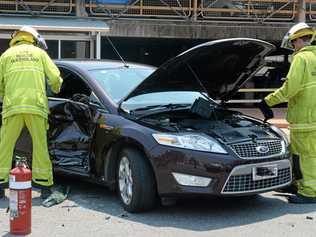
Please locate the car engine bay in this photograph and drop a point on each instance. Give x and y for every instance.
(228, 125)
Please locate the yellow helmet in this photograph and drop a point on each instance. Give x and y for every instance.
(39, 40)
(297, 31)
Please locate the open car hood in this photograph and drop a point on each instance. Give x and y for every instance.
(218, 68)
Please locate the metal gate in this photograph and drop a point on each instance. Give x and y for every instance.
(61, 7)
(140, 8)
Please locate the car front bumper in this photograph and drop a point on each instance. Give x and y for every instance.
(230, 176)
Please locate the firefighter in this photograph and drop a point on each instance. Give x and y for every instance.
(23, 69)
(299, 92)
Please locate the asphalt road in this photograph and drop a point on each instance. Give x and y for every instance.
(95, 211)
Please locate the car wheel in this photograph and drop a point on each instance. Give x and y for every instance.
(135, 181)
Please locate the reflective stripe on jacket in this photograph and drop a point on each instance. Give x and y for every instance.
(299, 90)
(23, 68)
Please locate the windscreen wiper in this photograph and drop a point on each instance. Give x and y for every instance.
(164, 106)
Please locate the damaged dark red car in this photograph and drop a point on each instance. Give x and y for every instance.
(166, 132)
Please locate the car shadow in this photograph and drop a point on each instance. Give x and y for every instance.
(197, 214)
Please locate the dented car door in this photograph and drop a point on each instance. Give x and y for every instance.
(70, 134)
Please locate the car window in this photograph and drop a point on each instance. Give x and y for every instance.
(119, 82)
(94, 99)
(72, 85)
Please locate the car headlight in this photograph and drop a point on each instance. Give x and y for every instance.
(190, 141)
(282, 134)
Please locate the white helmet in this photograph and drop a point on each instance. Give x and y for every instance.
(39, 40)
(30, 30)
(297, 31)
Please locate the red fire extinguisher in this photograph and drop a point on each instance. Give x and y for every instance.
(20, 184)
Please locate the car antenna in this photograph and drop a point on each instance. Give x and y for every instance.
(116, 51)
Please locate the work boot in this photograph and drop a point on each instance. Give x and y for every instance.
(1, 193)
(300, 199)
(45, 192)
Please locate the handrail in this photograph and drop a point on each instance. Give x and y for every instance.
(195, 10)
(257, 90)
(249, 96)
(253, 10)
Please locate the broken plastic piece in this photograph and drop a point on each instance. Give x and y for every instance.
(56, 197)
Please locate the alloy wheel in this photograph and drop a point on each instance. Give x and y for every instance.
(125, 180)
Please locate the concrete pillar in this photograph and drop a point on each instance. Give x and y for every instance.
(301, 11)
(81, 12)
(98, 45)
(59, 49)
(195, 6)
(92, 48)
(81, 49)
(80, 8)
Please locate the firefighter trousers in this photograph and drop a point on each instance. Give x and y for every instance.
(303, 145)
(10, 131)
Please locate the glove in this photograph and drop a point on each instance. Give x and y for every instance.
(265, 110)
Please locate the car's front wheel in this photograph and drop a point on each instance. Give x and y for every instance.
(135, 181)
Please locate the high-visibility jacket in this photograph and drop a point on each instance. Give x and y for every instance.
(23, 69)
(299, 90)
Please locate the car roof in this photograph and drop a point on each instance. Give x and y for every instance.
(91, 64)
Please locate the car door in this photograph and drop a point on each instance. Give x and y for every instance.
(71, 124)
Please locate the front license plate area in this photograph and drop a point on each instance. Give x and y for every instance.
(264, 172)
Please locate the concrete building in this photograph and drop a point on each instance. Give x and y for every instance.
(175, 23)
(151, 31)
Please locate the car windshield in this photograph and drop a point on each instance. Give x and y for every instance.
(151, 100)
(119, 82)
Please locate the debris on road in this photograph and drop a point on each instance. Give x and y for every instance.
(69, 206)
(309, 218)
(123, 215)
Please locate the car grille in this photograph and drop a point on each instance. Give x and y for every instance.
(241, 180)
(248, 149)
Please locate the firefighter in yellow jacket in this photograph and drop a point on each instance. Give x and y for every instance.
(299, 91)
(23, 69)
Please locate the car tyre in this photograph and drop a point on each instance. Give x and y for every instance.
(135, 181)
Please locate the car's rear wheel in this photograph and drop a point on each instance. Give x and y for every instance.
(135, 181)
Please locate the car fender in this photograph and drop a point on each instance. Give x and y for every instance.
(111, 155)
